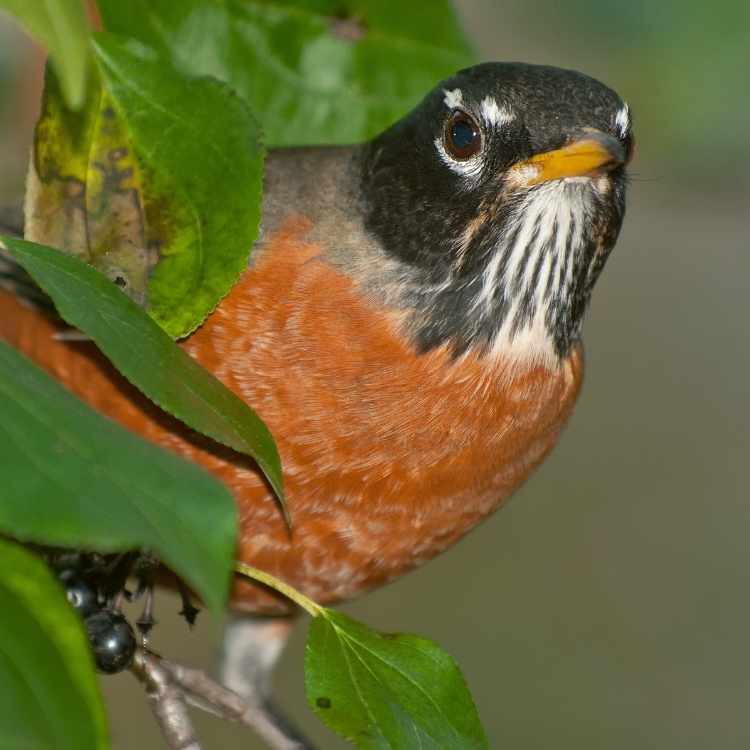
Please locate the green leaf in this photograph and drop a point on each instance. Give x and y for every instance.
(316, 71)
(147, 357)
(61, 26)
(387, 691)
(198, 147)
(380, 690)
(73, 478)
(157, 182)
(49, 694)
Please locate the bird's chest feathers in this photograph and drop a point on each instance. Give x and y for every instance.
(389, 456)
(359, 414)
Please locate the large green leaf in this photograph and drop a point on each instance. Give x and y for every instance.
(49, 696)
(73, 478)
(157, 182)
(387, 691)
(199, 149)
(315, 71)
(147, 357)
(380, 690)
(61, 26)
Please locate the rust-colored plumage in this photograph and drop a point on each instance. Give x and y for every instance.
(389, 456)
(409, 326)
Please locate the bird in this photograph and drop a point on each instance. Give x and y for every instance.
(408, 326)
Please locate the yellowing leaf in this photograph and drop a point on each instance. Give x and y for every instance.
(156, 182)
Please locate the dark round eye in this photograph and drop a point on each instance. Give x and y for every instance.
(463, 138)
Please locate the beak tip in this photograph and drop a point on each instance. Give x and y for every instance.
(612, 145)
(590, 153)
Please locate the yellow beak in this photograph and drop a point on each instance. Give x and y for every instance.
(592, 154)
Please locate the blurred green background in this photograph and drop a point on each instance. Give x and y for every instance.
(607, 605)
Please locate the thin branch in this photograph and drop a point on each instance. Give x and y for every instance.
(167, 702)
(209, 695)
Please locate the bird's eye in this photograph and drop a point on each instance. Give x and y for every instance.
(463, 139)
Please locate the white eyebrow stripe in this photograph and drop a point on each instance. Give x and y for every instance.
(622, 120)
(494, 114)
(454, 99)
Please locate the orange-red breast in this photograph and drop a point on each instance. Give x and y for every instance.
(409, 325)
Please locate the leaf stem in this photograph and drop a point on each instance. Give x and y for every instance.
(284, 588)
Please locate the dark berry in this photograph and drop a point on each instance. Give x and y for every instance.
(81, 595)
(112, 641)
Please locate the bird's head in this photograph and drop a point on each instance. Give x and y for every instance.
(499, 199)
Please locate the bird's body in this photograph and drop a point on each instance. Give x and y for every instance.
(388, 456)
(413, 363)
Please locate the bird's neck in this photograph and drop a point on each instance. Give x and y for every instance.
(517, 296)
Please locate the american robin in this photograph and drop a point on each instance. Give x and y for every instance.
(408, 327)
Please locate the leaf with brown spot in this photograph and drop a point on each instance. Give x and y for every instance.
(383, 690)
(156, 182)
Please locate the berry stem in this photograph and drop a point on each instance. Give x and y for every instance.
(283, 588)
